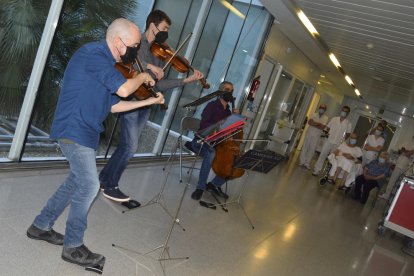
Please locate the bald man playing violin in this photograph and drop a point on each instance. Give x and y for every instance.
(133, 122)
(91, 88)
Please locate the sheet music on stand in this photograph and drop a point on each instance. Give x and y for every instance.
(259, 160)
(222, 130)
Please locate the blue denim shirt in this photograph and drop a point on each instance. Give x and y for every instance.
(87, 95)
(374, 168)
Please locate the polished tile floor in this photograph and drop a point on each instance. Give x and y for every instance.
(300, 228)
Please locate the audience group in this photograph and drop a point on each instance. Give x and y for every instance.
(365, 168)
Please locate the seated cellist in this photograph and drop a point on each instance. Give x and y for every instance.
(214, 112)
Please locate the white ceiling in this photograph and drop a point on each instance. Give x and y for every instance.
(372, 39)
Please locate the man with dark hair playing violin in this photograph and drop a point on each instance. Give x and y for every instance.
(214, 112)
(133, 122)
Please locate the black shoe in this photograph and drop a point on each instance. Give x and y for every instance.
(344, 188)
(216, 190)
(197, 194)
(101, 187)
(116, 195)
(81, 255)
(50, 236)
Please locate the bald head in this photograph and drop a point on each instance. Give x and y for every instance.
(120, 34)
(122, 28)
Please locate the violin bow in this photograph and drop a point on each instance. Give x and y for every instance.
(141, 69)
(177, 51)
(205, 98)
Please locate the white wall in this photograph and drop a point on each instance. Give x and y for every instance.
(283, 51)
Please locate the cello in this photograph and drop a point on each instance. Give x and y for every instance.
(227, 153)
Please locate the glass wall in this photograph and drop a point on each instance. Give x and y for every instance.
(21, 26)
(226, 47)
(227, 50)
(285, 114)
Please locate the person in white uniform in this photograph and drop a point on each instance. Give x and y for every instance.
(339, 129)
(402, 164)
(344, 159)
(316, 124)
(373, 145)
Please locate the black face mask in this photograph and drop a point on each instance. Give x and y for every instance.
(228, 97)
(161, 37)
(130, 55)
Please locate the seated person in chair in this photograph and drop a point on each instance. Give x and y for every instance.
(374, 172)
(343, 160)
(214, 112)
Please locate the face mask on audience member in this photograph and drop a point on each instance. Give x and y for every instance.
(381, 160)
(378, 132)
(321, 111)
(352, 141)
(344, 114)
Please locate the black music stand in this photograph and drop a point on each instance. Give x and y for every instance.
(253, 160)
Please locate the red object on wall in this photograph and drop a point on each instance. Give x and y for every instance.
(253, 88)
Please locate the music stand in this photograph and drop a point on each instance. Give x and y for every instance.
(253, 160)
(211, 137)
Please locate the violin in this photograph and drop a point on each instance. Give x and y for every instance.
(164, 52)
(144, 91)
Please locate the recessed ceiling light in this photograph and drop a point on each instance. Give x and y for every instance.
(377, 78)
(370, 45)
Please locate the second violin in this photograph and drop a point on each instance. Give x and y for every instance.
(164, 52)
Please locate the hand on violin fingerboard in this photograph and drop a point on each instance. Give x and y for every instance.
(159, 99)
(157, 71)
(197, 75)
(147, 79)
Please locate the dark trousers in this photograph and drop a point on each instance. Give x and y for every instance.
(363, 187)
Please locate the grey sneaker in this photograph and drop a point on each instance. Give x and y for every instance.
(81, 255)
(51, 236)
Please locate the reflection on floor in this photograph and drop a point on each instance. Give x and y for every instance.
(301, 228)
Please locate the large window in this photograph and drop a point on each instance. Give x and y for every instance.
(21, 26)
(227, 50)
(225, 46)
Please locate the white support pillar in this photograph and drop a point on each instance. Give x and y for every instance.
(35, 77)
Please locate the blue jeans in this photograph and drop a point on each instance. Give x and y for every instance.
(78, 190)
(132, 124)
(208, 156)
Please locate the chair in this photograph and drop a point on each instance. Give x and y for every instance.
(187, 124)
